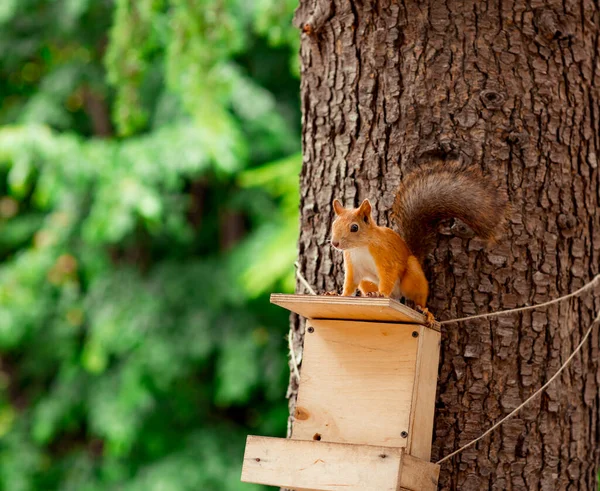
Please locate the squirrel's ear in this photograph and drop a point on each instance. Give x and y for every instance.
(365, 208)
(337, 207)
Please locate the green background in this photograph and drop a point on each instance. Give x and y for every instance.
(149, 160)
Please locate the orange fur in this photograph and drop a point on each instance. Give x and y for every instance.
(376, 259)
(414, 284)
(367, 287)
(379, 261)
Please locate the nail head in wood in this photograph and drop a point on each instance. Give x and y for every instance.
(311, 329)
(415, 334)
(404, 434)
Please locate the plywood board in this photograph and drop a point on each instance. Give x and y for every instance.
(418, 475)
(310, 465)
(357, 382)
(349, 308)
(320, 466)
(423, 409)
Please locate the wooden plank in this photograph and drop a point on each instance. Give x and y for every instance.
(304, 465)
(357, 382)
(418, 475)
(423, 408)
(319, 466)
(349, 308)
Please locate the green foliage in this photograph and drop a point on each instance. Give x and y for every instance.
(149, 158)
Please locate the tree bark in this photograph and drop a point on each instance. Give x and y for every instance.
(514, 87)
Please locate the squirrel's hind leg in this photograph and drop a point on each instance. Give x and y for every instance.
(415, 287)
(414, 284)
(366, 287)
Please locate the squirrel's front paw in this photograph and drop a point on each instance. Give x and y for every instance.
(375, 295)
(331, 294)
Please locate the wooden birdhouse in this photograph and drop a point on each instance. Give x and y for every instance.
(364, 415)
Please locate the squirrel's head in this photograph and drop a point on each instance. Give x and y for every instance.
(350, 227)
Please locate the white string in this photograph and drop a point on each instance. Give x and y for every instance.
(303, 279)
(293, 356)
(530, 398)
(585, 287)
(290, 334)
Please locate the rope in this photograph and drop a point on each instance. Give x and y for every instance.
(293, 356)
(303, 279)
(290, 333)
(584, 288)
(530, 398)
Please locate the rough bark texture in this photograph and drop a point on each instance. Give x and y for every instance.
(513, 86)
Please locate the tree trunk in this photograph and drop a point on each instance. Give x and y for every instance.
(513, 87)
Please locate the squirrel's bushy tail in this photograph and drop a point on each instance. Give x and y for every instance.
(440, 190)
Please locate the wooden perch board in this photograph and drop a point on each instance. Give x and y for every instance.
(320, 466)
(349, 308)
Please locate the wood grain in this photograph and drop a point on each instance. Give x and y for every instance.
(418, 474)
(320, 466)
(357, 382)
(423, 400)
(349, 308)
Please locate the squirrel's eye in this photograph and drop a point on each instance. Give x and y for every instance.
(354, 228)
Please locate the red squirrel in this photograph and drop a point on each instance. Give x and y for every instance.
(380, 262)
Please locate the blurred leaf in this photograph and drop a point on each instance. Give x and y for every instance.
(148, 204)
(7, 10)
(235, 376)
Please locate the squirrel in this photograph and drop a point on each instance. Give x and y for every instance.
(383, 263)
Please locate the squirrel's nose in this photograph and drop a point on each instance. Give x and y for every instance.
(335, 243)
